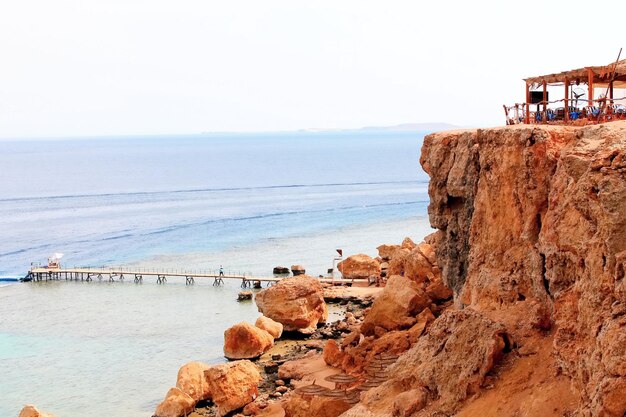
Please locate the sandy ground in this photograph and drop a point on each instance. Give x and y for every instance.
(526, 387)
(348, 292)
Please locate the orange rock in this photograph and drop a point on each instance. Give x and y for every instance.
(192, 382)
(408, 243)
(233, 385)
(451, 362)
(297, 303)
(386, 252)
(175, 404)
(409, 402)
(396, 307)
(272, 327)
(359, 267)
(332, 353)
(30, 410)
(251, 409)
(423, 319)
(245, 341)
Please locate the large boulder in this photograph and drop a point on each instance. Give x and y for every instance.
(297, 303)
(191, 381)
(359, 266)
(245, 341)
(395, 309)
(297, 270)
(272, 327)
(175, 404)
(357, 351)
(388, 252)
(280, 270)
(233, 385)
(30, 410)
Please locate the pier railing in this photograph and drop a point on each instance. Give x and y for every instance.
(109, 273)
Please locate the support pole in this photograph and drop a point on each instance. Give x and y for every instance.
(566, 115)
(545, 97)
(527, 115)
(590, 86)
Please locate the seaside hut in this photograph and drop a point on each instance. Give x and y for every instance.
(590, 95)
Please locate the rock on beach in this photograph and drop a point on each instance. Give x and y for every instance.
(245, 341)
(233, 385)
(30, 410)
(272, 327)
(297, 303)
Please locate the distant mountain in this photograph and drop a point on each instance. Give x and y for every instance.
(405, 127)
(414, 127)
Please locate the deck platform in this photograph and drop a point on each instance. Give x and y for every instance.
(137, 274)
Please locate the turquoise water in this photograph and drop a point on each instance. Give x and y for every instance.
(249, 202)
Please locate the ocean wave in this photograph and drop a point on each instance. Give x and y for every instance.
(279, 214)
(202, 190)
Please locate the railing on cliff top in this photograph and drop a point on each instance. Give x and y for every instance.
(606, 110)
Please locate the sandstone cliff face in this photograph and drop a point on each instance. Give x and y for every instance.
(532, 234)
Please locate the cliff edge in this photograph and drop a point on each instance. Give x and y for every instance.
(531, 238)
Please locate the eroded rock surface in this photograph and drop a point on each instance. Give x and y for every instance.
(233, 385)
(272, 327)
(359, 267)
(445, 366)
(192, 382)
(532, 233)
(176, 404)
(297, 303)
(396, 308)
(245, 341)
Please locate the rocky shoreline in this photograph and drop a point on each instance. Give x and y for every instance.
(516, 305)
(276, 366)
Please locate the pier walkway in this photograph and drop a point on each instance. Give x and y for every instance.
(137, 274)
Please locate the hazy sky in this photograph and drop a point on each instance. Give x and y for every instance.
(103, 67)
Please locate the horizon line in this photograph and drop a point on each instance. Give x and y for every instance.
(398, 128)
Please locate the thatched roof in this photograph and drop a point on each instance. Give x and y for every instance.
(601, 76)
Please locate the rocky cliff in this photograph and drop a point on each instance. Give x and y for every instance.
(531, 238)
(532, 233)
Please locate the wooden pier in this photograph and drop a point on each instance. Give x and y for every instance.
(137, 274)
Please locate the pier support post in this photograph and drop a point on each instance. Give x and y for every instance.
(138, 279)
(189, 280)
(161, 279)
(88, 277)
(218, 281)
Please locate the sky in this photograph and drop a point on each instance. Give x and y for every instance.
(126, 67)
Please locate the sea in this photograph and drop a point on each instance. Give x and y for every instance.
(243, 202)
